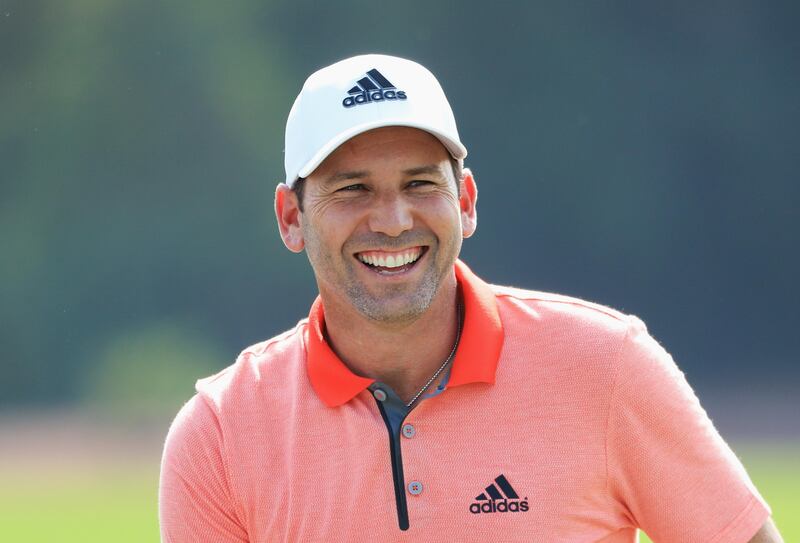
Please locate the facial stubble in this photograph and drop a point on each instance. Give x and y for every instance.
(395, 304)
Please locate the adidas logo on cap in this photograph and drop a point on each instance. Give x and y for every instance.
(372, 88)
(495, 501)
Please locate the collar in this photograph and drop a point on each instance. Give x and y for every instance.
(475, 361)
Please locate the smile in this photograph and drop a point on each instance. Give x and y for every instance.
(391, 260)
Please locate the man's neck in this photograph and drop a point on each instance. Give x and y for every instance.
(404, 356)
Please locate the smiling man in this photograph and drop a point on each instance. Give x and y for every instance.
(419, 403)
(382, 225)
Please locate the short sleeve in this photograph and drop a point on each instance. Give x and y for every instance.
(195, 502)
(668, 467)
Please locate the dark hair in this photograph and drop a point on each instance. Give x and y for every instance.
(299, 186)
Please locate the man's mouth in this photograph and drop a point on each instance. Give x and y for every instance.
(391, 261)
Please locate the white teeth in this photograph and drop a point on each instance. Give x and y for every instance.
(391, 261)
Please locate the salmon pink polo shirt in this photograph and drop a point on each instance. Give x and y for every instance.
(560, 420)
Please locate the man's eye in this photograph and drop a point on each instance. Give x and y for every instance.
(357, 186)
(420, 183)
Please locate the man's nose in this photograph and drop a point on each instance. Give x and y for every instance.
(391, 215)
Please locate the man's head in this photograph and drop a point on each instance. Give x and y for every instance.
(382, 211)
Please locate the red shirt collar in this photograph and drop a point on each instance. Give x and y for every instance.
(476, 357)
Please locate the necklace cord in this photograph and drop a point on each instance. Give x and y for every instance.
(447, 360)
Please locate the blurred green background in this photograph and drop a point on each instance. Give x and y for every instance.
(641, 155)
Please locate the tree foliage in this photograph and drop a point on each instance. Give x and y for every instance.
(642, 156)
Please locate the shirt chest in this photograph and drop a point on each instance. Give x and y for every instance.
(513, 469)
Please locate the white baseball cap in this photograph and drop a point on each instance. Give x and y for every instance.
(358, 94)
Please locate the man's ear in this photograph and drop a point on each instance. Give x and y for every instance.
(467, 201)
(287, 211)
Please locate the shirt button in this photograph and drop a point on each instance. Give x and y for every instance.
(409, 430)
(415, 488)
(379, 395)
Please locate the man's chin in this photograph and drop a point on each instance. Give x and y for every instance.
(397, 309)
(395, 302)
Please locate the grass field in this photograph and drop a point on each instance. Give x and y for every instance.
(109, 503)
(107, 506)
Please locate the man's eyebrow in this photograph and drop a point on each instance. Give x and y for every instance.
(342, 176)
(432, 169)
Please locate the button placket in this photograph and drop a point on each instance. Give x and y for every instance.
(408, 430)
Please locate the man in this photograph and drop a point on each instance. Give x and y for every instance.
(418, 402)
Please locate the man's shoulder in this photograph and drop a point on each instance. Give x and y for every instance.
(262, 367)
(567, 310)
(556, 327)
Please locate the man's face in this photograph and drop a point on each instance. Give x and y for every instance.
(382, 223)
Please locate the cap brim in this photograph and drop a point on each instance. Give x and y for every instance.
(454, 147)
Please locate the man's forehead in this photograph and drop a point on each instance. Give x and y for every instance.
(389, 134)
(410, 149)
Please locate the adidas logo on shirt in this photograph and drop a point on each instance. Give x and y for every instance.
(372, 88)
(499, 500)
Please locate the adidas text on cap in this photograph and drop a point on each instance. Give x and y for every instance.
(359, 94)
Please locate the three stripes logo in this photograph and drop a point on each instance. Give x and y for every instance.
(499, 498)
(372, 88)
